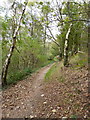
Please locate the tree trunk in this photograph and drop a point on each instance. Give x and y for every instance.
(89, 46)
(8, 59)
(7, 62)
(66, 46)
(45, 39)
(32, 30)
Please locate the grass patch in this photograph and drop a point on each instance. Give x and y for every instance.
(47, 63)
(54, 73)
(50, 72)
(74, 117)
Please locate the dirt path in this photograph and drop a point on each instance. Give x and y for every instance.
(21, 99)
(66, 95)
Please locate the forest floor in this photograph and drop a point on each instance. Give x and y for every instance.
(33, 97)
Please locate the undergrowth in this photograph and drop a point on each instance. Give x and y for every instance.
(50, 72)
(14, 77)
(55, 73)
(19, 75)
(79, 60)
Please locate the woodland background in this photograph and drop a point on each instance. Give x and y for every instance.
(34, 34)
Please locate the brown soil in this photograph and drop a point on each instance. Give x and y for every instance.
(68, 98)
(33, 97)
(20, 100)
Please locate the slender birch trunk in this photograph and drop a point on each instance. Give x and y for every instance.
(45, 39)
(66, 46)
(88, 48)
(8, 59)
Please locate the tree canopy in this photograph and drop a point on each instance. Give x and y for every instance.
(33, 33)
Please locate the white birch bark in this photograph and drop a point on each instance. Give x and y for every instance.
(66, 45)
(7, 61)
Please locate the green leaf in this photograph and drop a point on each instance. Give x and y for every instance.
(23, 22)
(41, 3)
(25, 3)
(4, 25)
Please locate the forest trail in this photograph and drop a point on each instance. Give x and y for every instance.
(66, 95)
(21, 99)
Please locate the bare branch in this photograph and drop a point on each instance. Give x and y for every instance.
(73, 20)
(54, 41)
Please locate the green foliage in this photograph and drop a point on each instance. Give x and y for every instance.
(74, 117)
(41, 3)
(31, 48)
(4, 26)
(46, 8)
(55, 59)
(31, 3)
(54, 50)
(78, 34)
(50, 72)
(29, 52)
(47, 63)
(54, 73)
(18, 75)
(79, 60)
